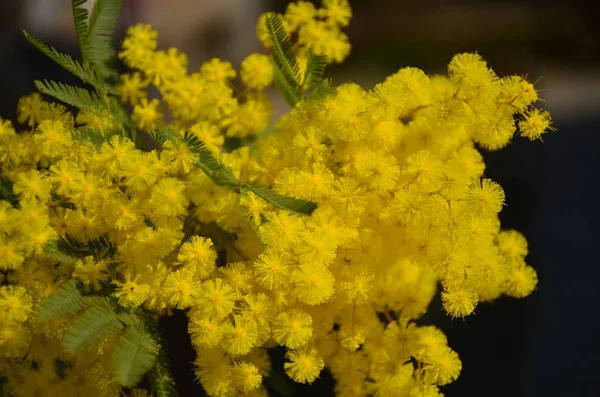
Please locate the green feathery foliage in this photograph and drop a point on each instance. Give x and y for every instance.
(61, 367)
(134, 355)
(315, 68)
(162, 383)
(286, 72)
(7, 193)
(161, 379)
(70, 246)
(324, 89)
(95, 136)
(119, 114)
(91, 327)
(222, 175)
(285, 64)
(80, 15)
(102, 247)
(67, 300)
(289, 92)
(226, 178)
(96, 51)
(94, 42)
(138, 346)
(83, 71)
(297, 206)
(163, 134)
(53, 252)
(74, 96)
(205, 157)
(103, 20)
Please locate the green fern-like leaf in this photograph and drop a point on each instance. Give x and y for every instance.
(225, 177)
(222, 175)
(91, 327)
(103, 20)
(163, 134)
(162, 383)
(61, 367)
(287, 73)
(291, 94)
(74, 96)
(323, 90)
(80, 15)
(206, 160)
(95, 136)
(315, 68)
(205, 157)
(102, 246)
(134, 355)
(72, 247)
(52, 251)
(119, 114)
(82, 71)
(7, 193)
(283, 52)
(300, 207)
(65, 301)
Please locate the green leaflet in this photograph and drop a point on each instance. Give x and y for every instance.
(297, 206)
(116, 110)
(286, 69)
(61, 367)
(222, 175)
(74, 96)
(7, 193)
(161, 379)
(80, 15)
(134, 355)
(66, 301)
(205, 157)
(91, 327)
(52, 251)
(291, 95)
(163, 134)
(96, 51)
(137, 349)
(100, 247)
(103, 20)
(95, 136)
(82, 71)
(315, 68)
(324, 89)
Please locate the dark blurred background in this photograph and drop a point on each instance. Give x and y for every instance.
(545, 345)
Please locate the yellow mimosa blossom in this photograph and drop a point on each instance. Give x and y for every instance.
(162, 194)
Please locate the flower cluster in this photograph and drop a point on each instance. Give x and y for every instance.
(402, 207)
